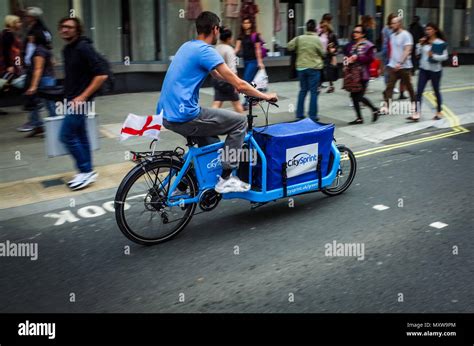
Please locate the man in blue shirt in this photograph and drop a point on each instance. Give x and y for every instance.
(179, 100)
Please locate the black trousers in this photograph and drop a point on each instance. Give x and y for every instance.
(359, 97)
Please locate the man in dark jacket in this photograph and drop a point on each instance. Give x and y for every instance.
(84, 74)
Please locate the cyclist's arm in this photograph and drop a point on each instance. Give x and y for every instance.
(217, 75)
(241, 85)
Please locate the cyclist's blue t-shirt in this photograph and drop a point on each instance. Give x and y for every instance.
(188, 70)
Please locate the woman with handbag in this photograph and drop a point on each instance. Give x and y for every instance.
(359, 56)
(224, 91)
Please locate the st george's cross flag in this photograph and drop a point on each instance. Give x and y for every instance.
(138, 125)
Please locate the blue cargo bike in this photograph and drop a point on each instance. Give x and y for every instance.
(159, 196)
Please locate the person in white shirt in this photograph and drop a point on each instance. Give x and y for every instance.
(430, 66)
(224, 91)
(400, 65)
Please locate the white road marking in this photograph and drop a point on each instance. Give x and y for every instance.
(380, 207)
(438, 225)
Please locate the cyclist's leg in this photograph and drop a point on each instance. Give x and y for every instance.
(214, 122)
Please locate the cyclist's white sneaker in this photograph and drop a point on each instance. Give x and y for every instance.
(84, 180)
(231, 184)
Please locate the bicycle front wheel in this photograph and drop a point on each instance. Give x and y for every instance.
(345, 173)
(141, 211)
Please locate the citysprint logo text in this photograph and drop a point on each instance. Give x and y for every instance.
(37, 329)
(10, 249)
(300, 160)
(336, 249)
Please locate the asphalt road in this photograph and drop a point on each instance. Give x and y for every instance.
(281, 250)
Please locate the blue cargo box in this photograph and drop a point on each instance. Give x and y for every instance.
(298, 144)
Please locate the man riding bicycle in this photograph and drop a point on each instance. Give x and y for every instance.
(179, 99)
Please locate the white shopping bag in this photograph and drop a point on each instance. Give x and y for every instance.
(137, 125)
(261, 79)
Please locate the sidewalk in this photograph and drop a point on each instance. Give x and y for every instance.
(28, 176)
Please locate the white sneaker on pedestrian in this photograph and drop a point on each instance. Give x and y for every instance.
(396, 91)
(231, 184)
(25, 128)
(86, 179)
(75, 179)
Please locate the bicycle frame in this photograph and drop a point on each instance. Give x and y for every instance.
(206, 164)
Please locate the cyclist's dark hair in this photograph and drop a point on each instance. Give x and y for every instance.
(77, 21)
(311, 25)
(205, 22)
(438, 32)
(225, 34)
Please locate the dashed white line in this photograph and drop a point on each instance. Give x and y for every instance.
(380, 207)
(438, 225)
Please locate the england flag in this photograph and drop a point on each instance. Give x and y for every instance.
(137, 125)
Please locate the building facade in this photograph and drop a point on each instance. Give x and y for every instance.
(140, 37)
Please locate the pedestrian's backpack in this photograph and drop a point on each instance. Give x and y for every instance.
(263, 49)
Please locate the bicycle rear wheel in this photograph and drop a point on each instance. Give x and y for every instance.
(141, 211)
(345, 173)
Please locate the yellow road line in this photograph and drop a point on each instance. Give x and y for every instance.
(456, 128)
(458, 89)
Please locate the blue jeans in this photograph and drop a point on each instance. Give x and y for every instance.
(74, 136)
(309, 81)
(250, 70)
(35, 119)
(423, 78)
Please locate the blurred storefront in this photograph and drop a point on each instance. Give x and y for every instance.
(140, 36)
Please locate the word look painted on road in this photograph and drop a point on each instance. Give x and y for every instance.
(10, 249)
(336, 249)
(89, 211)
(37, 329)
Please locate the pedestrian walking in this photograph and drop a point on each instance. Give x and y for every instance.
(330, 45)
(40, 74)
(360, 54)
(432, 50)
(309, 63)
(250, 43)
(85, 72)
(368, 22)
(386, 32)
(10, 52)
(417, 31)
(224, 91)
(400, 65)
